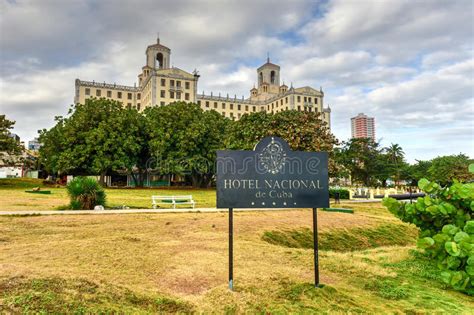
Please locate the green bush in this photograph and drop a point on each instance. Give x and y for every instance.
(445, 217)
(85, 193)
(343, 193)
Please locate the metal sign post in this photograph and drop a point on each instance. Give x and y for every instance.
(315, 246)
(231, 249)
(272, 176)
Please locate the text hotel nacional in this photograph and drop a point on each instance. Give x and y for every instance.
(159, 84)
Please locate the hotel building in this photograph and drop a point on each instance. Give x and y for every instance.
(159, 85)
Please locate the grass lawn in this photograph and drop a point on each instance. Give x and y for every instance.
(167, 263)
(13, 196)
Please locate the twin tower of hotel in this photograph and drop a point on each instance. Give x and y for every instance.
(159, 85)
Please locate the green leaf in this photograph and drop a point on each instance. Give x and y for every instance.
(450, 229)
(422, 183)
(469, 227)
(461, 236)
(425, 242)
(470, 270)
(471, 168)
(453, 262)
(446, 277)
(456, 278)
(452, 249)
(470, 260)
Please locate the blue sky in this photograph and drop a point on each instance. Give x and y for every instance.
(407, 63)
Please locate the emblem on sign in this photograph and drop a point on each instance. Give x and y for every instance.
(273, 157)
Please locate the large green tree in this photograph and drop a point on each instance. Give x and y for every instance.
(445, 169)
(184, 140)
(8, 146)
(362, 157)
(95, 137)
(304, 131)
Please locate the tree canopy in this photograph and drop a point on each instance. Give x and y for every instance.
(8, 145)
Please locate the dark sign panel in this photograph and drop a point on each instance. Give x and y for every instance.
(272, 176)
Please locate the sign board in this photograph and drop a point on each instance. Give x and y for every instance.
(272, 176)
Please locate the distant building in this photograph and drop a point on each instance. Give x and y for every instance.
(363, 126)
(34, 145)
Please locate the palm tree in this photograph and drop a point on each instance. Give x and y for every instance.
(395, 155)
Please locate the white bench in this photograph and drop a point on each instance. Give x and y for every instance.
(172, 200)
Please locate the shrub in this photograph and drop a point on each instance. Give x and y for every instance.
(343, 193)
(85, 193)
(445, 217)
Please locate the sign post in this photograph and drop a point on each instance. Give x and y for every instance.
(231, 249)
(315, 246)
(272, 176)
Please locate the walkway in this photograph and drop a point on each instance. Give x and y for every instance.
(125, 211)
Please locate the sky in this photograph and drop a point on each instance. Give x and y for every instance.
(408, 63)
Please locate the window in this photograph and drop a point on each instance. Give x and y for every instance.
(163, 82)
(260, 78)
(186, 96)
(162, 93)
(199, 103)
(273, 106)
(286, 100)
(305, 99)
(139, 96)
(88, 91)
(171, 94)
(298, 98)
(129, 96)
(207, 104)
(119, 94)
(162, 103)
(109, 93)
(239, 115)
(223, 105)
(172, 83)
(315, 100)
(239, 107)
(138, 106)
(159, 58)
(299, 108)
(129, 105)
(223, 114)
(232, 115)
(178, 84)
(310, 109)
(309, 99)
(272, 77)
(254, 108)
(98, 92)
(281, 102)
(246, 108)
(186, 85)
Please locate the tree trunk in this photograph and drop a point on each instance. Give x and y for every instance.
(102, 178)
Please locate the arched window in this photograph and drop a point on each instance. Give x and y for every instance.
(260, 78)
(272, 77)
(159, 58)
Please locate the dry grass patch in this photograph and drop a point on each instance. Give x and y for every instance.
(183, 257)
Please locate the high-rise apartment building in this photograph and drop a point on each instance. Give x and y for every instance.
(363, 126)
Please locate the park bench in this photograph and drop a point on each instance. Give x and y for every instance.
(172, 200)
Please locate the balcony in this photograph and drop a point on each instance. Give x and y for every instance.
(176, 88)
